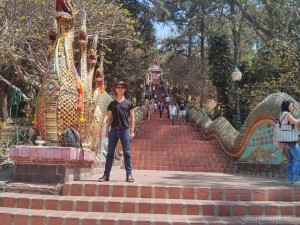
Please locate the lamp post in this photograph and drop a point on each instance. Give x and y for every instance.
(186, 88)
(142, 93)
(167, 87)
(236, 76)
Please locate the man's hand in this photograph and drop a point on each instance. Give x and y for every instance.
(131, 135)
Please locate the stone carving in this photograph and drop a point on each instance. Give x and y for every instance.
(67, 97)
(261, 155)
(232, 141)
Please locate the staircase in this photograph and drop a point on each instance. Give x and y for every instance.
(90, 203)
(180, 178)
(160, 146)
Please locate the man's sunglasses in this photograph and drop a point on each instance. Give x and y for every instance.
(120, 87)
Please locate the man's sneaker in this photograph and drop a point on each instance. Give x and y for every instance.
(129, 179)
(103, 178)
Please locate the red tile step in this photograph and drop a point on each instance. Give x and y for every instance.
(49, 217)
(185, 168)
(181, 192)
(151, 205)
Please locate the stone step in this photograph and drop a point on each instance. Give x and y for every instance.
(150, 206)
(180, 163)
(117, 189)
(50, 217)
(170, 138)
(179, 158)
(186, 168)
(176, 142)
(198, 146)
(177, 153)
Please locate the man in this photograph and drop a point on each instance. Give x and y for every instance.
(173, 112)
(119, 112)
(182, 113)
(160, 108)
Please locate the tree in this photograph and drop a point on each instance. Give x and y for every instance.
(130, 62)
(220, 69)
(262, 39)
(23, 35)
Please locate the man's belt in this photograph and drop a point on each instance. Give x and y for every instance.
(120, 128)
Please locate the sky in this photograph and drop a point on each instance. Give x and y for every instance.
(162, 31)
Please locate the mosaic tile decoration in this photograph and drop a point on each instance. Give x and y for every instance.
(260, 147)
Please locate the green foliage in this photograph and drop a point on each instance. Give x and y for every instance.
(4, 187)
(272, 70)
(220, 71)
(129, 62)
(124, 26)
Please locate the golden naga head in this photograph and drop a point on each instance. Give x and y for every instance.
(65, 10)
(82, 37)
(99, 75)
(92, 56)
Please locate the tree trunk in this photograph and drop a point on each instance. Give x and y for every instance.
(3, 100)
(235, 33)
(190, 46)
(202, 30)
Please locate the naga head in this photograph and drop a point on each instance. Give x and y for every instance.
(99, 75)
(92, 56)
(82, 36)
(82, 39)
(64, 10)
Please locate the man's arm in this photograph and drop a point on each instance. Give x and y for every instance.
(132, 122)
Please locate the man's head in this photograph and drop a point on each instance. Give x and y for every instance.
(120, 86)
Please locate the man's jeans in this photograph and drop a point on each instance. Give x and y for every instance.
(293, 162)
(113, 136)
(172, 119)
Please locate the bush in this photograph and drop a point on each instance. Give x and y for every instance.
(4, 187)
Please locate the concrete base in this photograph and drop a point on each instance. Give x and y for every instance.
(50, 173)
(261, 169)
(51, 164)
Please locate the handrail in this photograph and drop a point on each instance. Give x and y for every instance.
(233, 142)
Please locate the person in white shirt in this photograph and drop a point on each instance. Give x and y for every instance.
(173, 112)
(150, 109)
(293, 153)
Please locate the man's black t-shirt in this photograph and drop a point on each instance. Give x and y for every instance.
(120, 113)
(182, 106)
(160, 107)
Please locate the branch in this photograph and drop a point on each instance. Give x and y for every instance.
(13, 86)
(3, 30)
(257, 26)
(20, 74)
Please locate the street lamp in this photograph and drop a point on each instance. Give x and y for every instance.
(186, 88)
(167, 87)
(236, 76)
(142, 93)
